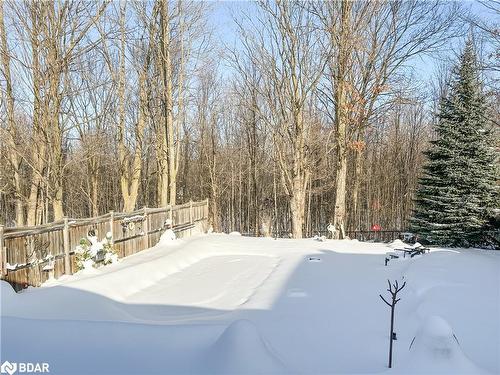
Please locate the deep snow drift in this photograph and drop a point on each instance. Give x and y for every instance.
(230, 304)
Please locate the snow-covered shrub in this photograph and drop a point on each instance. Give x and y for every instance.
(91, 248)
(84, 257)
(110, 253)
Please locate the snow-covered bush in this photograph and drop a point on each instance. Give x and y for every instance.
(89, 248)
(110, 256)
(84, 258)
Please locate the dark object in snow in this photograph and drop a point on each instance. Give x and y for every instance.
(314, 259)
(412, 251)
(386, 261)
(394, 337)
(393, 289)
(408, 237)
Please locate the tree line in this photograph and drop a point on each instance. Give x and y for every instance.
(314, 115)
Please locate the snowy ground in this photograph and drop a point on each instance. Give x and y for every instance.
(229, 304)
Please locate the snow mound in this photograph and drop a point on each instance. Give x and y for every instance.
(397, 244)
(6, 291)
(235, 234)
(241, 350)
(166, 238)
(435, 349)
(319, 238)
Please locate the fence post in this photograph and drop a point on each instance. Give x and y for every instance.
(111, 226)
(67, 262)
(169, 207)
(145, 228)
(191, 212)
(206, 211)
(3, 254)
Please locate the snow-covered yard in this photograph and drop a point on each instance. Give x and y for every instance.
(228, 304)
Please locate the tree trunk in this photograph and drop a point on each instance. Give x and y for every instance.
(341, 119)
(130, 166)
(94, 181)
(358, 154)
(57, 203)
(12, 155)
(168, 153)
(38, 151)
(340, 190)
(297, 206)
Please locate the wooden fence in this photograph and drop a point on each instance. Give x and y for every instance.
(361, 235)
(24, 250)
(377, 236)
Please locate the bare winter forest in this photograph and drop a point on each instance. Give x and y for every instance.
(287, 115)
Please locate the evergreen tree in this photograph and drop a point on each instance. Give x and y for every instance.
(457, 190)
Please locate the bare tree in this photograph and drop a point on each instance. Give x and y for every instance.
(371, 44)
(285, 49)
(11, 131)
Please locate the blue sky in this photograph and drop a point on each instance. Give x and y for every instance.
(425, 67)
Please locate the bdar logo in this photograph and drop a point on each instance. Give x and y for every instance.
(23, 367)
(8, 368)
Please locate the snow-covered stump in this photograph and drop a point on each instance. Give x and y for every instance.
(168, 235)
(435, 350)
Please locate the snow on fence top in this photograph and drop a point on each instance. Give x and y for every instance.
(24, 250)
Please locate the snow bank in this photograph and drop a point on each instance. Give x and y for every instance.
(229, 304)
(397, 244)
(435, 350)
(241, 350)
(6, 291)
(235, 234)
(106, 293)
